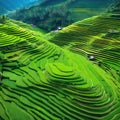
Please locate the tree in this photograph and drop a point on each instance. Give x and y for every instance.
(3, 19)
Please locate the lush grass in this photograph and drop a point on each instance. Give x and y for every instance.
(41, 81)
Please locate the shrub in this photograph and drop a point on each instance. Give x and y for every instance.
(3, 19)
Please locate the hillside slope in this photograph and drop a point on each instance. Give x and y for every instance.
(53, 13)
(42, 81)
(98, 36)
(115, 9)
(9, 5)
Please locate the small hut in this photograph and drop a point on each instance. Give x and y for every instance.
(91, 57)
(59, 28)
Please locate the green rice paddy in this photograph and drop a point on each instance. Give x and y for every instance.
(42, 81)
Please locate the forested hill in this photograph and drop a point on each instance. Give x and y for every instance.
(52, 13)
(115, 7)
(8, 5)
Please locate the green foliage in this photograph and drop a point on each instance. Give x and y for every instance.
(46, 18)
(53, 13)
(7, 6)
(115, 7)
(1, 56)
(3, 19)
(99, 36)
(43, 81)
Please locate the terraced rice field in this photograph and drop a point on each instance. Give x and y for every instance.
(41, 81)
(98, 36)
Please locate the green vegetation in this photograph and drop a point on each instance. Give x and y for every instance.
(50, 14)
(98, 36)
(41, 81)
(8, 6)
(3, 19)
(77, 78)
(115, 9)
(47, 17)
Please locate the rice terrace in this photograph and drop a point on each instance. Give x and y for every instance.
(59, 60)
